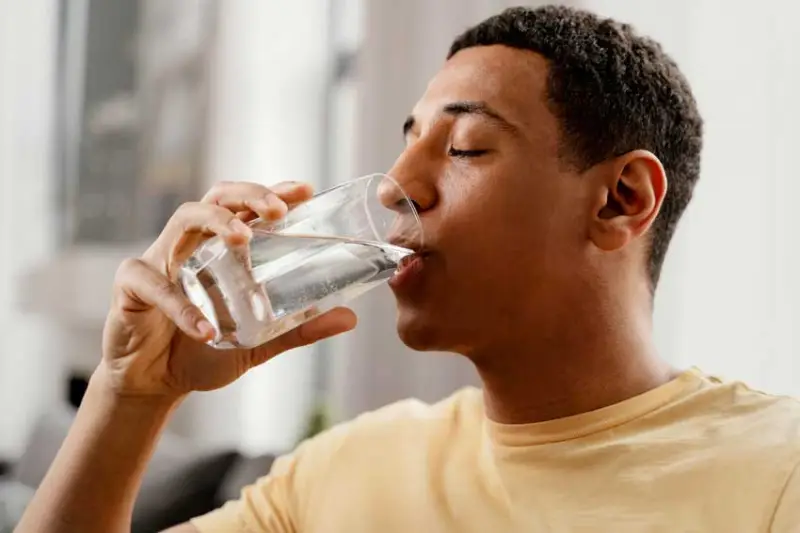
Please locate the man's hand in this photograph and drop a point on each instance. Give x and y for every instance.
(153, 355)
(154, 338)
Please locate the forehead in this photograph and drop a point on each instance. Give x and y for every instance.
(509, 80)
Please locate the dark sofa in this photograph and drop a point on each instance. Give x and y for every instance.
(181, 481)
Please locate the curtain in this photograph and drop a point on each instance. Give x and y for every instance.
(29, 378)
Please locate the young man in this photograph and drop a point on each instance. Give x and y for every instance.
(551, 158)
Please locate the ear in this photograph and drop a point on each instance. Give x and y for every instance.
(632, 189)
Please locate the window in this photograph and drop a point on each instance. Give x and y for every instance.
(133, 90)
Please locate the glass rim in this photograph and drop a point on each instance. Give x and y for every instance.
(350, 183)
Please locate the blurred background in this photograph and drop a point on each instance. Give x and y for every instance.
(113, 112)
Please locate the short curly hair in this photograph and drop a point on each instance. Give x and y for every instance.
(613, 91)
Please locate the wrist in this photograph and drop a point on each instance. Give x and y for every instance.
(106, 385)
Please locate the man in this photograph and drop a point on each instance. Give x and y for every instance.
(551, 158)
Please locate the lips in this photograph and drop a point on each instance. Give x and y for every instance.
(408, 261)
(408, 268)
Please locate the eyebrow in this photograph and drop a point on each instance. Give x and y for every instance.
(468, 107)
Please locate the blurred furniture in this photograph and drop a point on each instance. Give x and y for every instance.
(181, 481)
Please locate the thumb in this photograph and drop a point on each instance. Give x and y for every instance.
(334, 322)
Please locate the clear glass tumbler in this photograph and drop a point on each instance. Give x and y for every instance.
(323, 253)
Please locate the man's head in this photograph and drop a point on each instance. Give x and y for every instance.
(551, 157)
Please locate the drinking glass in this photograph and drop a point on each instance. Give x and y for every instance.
(325, 252)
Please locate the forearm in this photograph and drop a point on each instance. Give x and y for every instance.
(92, 484)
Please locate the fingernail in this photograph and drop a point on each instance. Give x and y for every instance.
(206, 329)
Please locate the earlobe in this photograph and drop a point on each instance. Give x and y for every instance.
(633, 190)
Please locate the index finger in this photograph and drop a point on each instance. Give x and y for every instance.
(269, 203)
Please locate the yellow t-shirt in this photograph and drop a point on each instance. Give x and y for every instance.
(693, 455)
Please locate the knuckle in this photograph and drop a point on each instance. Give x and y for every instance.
(125, 268)
(269, 195)
(222, 214)
(218, 189)
(273, 195)
(198, 214)
(299, 337)
(166, 289)
(184, 210)
(188, 313)
(217, 221)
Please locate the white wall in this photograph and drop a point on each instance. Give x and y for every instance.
(30, 378)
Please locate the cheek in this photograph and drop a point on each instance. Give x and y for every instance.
(463, 212)
(509, 218)
(495, 204)
(478, 232)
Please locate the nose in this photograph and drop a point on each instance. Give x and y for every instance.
(414, 179)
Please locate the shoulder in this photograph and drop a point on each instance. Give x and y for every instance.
(462, 407)
(746, 434)
(733, 408)
(742, 417)
(318, 479)
(389, 448)
(400, 432)
(765, 436)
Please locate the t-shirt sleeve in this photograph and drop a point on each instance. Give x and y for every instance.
(280, 501)
(267, 506)
(787, 514)
(300, 486)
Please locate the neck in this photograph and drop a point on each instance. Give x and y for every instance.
(596, 354)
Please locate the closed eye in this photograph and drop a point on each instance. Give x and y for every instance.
(454, 152)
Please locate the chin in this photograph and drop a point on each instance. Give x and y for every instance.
(418, 332)
(425, 332)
